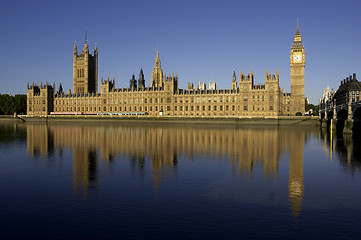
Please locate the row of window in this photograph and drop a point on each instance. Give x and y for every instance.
(80, 73)
(160, 100)
(168, 108)
(37, 102)
(355, 96)
(37, 109)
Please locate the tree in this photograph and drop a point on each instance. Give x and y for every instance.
(11, 104)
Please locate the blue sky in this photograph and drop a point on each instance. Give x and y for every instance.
(201, 41)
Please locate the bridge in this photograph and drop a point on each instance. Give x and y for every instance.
(344, 105)
(342, 111)
(346, 117)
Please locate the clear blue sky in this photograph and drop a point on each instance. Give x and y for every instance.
(202, 41)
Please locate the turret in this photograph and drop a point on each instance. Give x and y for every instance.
(75, 51)
(107, 85)
(60, 91)
(266, 75)
(190, 86)
(141, 80)
(202, 86)
(171, 83)
(212, 85)
(234, 81)
(133, 82)
(86, 47)
(246, 82)
(271, 77)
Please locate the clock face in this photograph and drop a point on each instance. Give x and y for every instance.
(297, 58)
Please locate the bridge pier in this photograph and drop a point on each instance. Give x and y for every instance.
(348, 126)
(324, 122)
(334, 125)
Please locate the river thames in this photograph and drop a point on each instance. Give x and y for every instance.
(169, 181)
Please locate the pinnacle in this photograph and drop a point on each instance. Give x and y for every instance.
(297, 30)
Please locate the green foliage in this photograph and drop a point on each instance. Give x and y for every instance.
(298, 114)
(309, 107)
(314, 108)
(11, 104)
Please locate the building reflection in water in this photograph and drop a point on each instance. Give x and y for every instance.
(347, 147)
(160, 147)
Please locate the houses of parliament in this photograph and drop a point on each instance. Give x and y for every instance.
(163, 97)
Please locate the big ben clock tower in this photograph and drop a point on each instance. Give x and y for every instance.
(297, 61)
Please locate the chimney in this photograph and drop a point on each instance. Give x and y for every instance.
(354, 76)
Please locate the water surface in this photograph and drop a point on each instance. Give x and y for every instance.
(167, 181)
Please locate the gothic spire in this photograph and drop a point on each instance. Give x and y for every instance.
(86, 46)
(86, 36)
(141, 74)
(157, 59)
(297, 30)
(297, 39)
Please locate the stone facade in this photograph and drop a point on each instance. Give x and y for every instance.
(163, 97)
(85, 70)
(326, 103)
(40, 99)
(298, 61)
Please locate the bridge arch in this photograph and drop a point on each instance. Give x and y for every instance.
(330, 114)
(342, 114)
(356, 115)
(356, 129)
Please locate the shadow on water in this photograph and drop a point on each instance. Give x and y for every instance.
(11, 133)
(329, 117)
(349, 152)
(356, 131)
(340, 125)
(346, 146)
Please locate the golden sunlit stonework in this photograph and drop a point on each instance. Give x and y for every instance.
(164, 97)
(144, 146)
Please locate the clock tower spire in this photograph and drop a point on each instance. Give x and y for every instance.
(297, 62)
